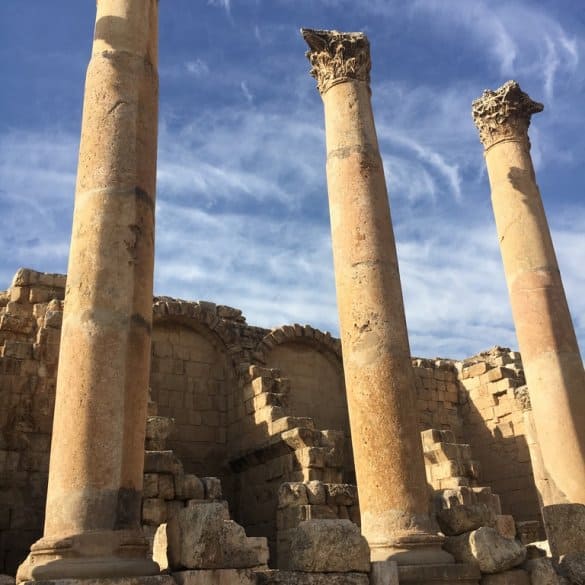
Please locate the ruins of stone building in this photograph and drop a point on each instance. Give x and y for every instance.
(255, 408)
(267, 457)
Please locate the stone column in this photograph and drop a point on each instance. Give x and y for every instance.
(92, 525)
(393, 493)
(550, 354)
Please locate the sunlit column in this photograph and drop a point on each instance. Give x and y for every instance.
(393, 493)
(92, 525)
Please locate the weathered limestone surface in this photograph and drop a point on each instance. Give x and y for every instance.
(487, 549)
(202, 536)
(550, 353)
(572, 567)
(542, 572)
(376, 354)
(92, 523)
(565, 528)
(329, 546)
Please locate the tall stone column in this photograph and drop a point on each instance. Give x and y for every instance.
(550, 354)
(92, 525)
(393, 493)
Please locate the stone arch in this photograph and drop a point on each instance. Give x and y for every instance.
(311, 360)
(192, 376)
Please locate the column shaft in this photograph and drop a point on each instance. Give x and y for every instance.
(546, 337)
(394, 497)
(92, 525)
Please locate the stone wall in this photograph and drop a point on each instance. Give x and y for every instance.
(253, 407)
(493, 420)
(30, 326)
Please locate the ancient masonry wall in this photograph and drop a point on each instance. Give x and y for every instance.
(253, 407)
(492, 413)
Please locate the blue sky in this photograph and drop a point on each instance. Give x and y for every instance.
(242, 213)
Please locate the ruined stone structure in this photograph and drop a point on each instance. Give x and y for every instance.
(188, 447)
(248, 406)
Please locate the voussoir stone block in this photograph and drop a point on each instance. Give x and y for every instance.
(487, 549)
(329, 546)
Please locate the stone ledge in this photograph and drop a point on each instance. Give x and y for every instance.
(462, 574)
(144, 580)
(275, 577)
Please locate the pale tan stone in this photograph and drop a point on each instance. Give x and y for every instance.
(329, 546)
(202, 536)
(379, 377)
(488, 550)
(92, 524)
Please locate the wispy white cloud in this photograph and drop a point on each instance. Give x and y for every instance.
(522, 38)
(225, 4)
(197, 67)
(246, 91)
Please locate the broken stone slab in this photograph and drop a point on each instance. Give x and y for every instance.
(565, 528)
(301, 578)
(202, 536)
(514, 577)
(487, 549)
(464, 518)
(335, 546)
(572, 567)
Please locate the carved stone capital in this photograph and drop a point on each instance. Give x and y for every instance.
(337, 57)
(503, 114)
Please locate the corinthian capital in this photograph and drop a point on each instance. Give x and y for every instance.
(503, 114)
(337, 57)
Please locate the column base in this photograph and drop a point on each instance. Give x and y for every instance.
(89, 555)
(413, 549)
